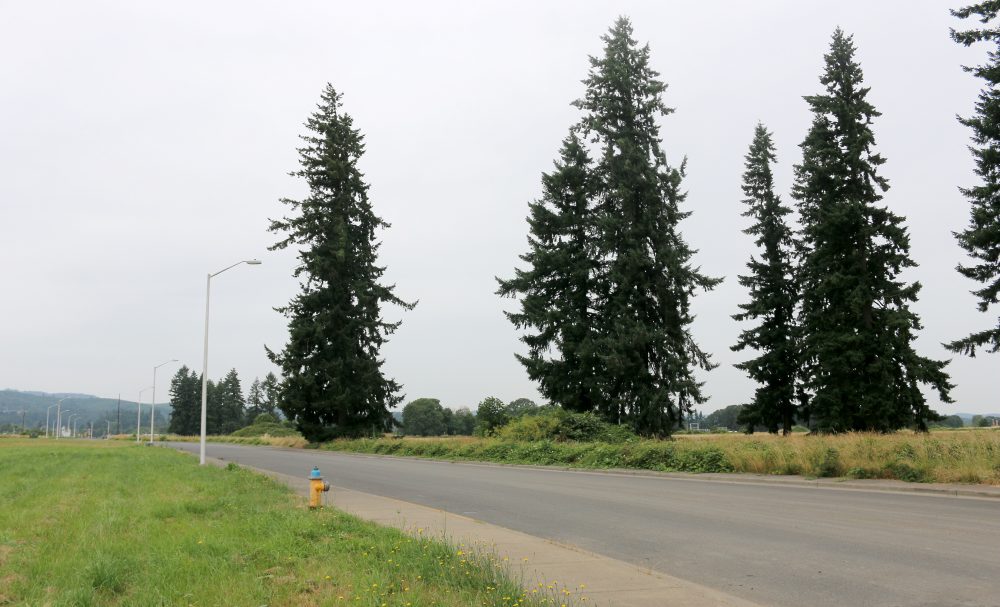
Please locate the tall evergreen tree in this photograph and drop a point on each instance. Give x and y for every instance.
(773, 295)
(333, 380)
(858, 329)
(271, 389)
(255, 400)
(185, 402)
(225, 413)
(558, 286)
(646, 277)
(981, 240)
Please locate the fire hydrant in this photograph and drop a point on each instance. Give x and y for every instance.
(317, 487)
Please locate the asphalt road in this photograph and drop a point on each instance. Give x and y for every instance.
(776, 545)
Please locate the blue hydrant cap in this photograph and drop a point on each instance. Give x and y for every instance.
(315, 473)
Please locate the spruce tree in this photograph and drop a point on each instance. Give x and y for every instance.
(858, 330)
(255, 400)
(981, 239)
(773, 295)
(271, 389)
(558, 286)
(646, 279)
(185, 402)
(333, 380)
(226, 410)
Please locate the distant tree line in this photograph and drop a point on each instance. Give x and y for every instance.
(426, 417)
(226, 409)
(733, 418)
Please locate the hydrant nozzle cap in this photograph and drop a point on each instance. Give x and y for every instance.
(315, 473)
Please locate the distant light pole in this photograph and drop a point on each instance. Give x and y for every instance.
(69, 424)
(59, 422)
(152, 404)
(47, 419)
(204, 366)
(138, 415)
(59, 415)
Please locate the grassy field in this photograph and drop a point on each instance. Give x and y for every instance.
(109, 523)
(947, 457)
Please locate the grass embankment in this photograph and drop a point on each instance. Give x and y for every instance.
(946, 457)
(107, 523)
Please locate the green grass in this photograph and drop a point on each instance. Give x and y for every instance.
(108, 523)
(948, 457)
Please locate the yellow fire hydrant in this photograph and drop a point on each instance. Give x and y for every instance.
(317, 487)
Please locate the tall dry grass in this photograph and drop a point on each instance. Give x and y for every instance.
(943, 457)
(971, 456)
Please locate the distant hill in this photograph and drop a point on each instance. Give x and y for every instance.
(57, 394)
(91, 409)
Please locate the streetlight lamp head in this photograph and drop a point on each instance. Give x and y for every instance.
(253, 262)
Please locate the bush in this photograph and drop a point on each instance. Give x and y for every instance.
(530, 428)
(265, 418)
(270, 429)
(904, 471)
(828, 463)
(559, 425)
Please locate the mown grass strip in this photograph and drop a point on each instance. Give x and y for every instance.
(945, 457)
(107, 523)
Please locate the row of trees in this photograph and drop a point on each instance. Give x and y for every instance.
(733, 418)
(426, 417)
(606, 294)
(226, 408)
(605, 297)
(835, 333)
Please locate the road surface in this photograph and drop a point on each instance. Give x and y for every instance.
(776, 545)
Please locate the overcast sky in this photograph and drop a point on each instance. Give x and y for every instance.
(144, 145)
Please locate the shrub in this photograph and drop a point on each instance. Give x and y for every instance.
(829, 463)
(559, 425)
(530, 428)
(905, 472)
(265, 418)
(270, 429)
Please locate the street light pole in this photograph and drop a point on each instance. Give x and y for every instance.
(152, 405)
(69, 424)
(47, 420)
(59, 422)
(59, 414)
(138, 415)
(204, 366)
